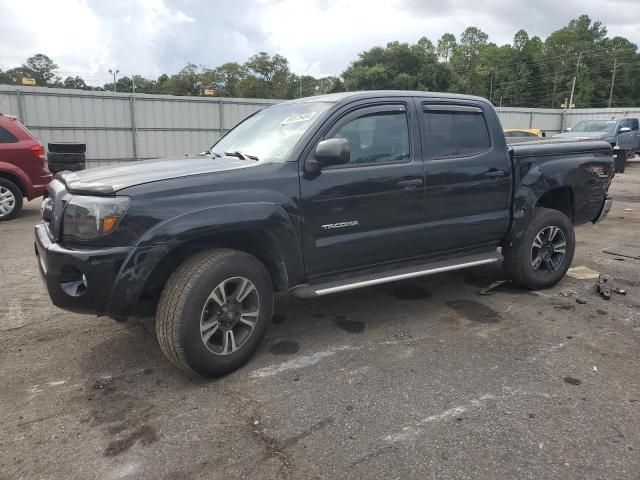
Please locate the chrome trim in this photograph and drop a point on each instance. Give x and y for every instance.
(403, 276)
(606, 206)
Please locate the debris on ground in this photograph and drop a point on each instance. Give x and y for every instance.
(631, 251)
(489, 290)
(603, 288)
(581, 301)
(572, 381)
(568, 293)
(582, 272)
(619, 291)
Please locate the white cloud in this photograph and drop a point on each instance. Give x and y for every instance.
(319, 37)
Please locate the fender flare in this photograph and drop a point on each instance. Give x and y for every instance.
(267, 219)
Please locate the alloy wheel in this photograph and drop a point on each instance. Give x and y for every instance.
(229, 315)
(548, 249)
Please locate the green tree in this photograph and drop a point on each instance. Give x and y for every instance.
(446, 45)
(398, 66)
(42, 68)
(186, 82)
(228, 77)
(266, 77)
(74, 82)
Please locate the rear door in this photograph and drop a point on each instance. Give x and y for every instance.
(370, 210)
(468, 177)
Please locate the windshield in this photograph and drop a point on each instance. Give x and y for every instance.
(595, 126)
(271, 133)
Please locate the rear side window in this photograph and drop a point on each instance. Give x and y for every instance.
(634, 124)
(6, 136)
(455, 133)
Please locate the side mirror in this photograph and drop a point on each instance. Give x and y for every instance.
(333, 151)
(624, 129)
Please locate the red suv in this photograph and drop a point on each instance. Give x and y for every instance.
(23, 169)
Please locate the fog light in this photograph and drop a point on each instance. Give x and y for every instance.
(72, 281)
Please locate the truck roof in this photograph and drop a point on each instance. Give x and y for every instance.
(363, 95)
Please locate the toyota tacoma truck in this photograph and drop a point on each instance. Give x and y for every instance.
(313, 197)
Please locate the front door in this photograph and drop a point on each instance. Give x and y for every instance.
(370, 210)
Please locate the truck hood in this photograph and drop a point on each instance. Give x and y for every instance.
(584, 135)
(108, 180)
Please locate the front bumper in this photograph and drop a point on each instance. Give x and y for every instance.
(80, 281)
(606, 206)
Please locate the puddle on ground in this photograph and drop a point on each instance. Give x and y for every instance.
(474, 311)
(284, 347)
(349, 326)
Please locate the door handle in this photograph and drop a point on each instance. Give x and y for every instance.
(410, 184)
(495, 174)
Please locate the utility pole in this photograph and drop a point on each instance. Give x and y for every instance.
(114, 73)
(613, 79)
(491, 87)
(553, 95)
(300, 86)
(573, 85)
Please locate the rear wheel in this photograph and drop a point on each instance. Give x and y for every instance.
(214, 311)
(542, 256)
(10, 199)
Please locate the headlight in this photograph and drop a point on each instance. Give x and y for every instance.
(86, 218)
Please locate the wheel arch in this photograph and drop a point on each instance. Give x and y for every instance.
(14, 178)
(269, 236)
(560, 198)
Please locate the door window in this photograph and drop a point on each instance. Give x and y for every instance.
(455, 133)
(381, 137)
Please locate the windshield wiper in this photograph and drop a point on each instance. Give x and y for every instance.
(241, 156)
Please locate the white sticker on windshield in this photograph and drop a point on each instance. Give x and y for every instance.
(298, 117)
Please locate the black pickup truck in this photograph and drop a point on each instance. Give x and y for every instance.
(312, 197)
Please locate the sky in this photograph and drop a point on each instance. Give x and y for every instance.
(319, 37)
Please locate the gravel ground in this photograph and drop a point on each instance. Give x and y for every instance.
(424, 379)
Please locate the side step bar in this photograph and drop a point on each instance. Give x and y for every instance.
(319, 289)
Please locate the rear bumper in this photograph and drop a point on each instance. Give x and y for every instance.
(80, 281)
(38, 191)
(606, 206)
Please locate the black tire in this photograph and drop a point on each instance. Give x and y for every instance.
(14, 206)
(69, 158)
(184, 301)
(519, 255)
(620, 162)
(55, 167)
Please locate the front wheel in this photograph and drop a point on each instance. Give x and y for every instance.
(541, 257)
(214, 311)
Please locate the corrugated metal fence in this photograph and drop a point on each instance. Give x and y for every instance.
(120, 126)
